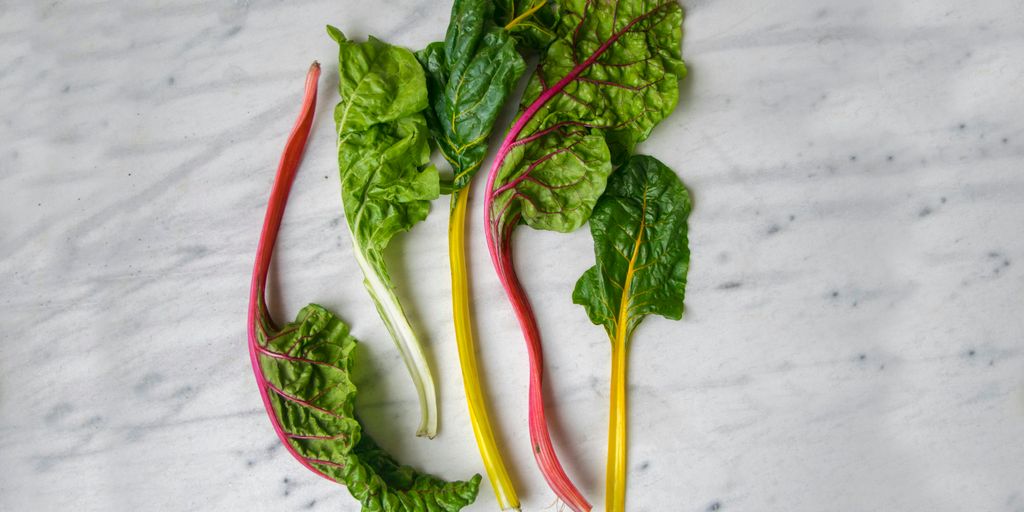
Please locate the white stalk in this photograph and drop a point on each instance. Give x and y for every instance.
(405, 339)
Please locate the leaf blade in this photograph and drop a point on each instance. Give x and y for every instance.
(307, 366)
(644, 214)
(610, 77)
(469, 77)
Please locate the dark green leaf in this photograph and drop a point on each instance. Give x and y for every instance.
(469, 77)
(531, 22)
(640, 243)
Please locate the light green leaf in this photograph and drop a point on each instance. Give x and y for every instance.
(387, 181)
(640, 243)
(307, 366)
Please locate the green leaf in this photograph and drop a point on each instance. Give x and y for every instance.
(307, 366)
(640, 243)
(600, 88)
(469, 77)
(387, 181)
(531, 22)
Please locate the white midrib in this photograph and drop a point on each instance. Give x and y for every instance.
(393, 315)
(405, 339)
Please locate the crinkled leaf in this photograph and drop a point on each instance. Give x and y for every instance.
(387, 181)
(531, 22)
(469, 77)
(308, 365)
(640, 244)
(601, 87)
(383, 147)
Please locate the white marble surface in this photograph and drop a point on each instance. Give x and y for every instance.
(853, 340)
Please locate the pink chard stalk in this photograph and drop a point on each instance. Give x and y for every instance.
(258, 313)
(601, 87)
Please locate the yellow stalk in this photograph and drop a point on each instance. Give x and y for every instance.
(615, 474)
(504, 491)
(615, 490)
(529, 12)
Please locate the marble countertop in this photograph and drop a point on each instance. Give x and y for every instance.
(853, 340)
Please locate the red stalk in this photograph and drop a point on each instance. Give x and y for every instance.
(258, 313)
(499, 244)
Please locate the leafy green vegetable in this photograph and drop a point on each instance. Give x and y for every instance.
(386, 180)
(599, 90)
(639, 230)
(608, 78)
(303, 373)
(469, 77)
(640, 243)
(531, 22)
(307, 365)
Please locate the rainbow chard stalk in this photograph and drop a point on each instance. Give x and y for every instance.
(469, 76)
(387, 181)
(303, 372)
(601, 87)
(640, 243)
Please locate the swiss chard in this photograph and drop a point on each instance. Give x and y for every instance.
(640, 243)
(303, 372)
(531, 22)
(607, 79)
(387, 181)
(469, 76)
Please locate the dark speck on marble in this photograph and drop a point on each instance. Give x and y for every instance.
(862, 357)
(926, 211)
(730, 285)
(58, 412)
(311, 504)
(835, 293)
(962, 126)
(942, 199)
(185, 392)
(644, 465)
(889, 158)
(715, 506)
(774, 228)
(147, 383)
(170, 80)
(68, 88)
(971, 353)
(853, 158)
